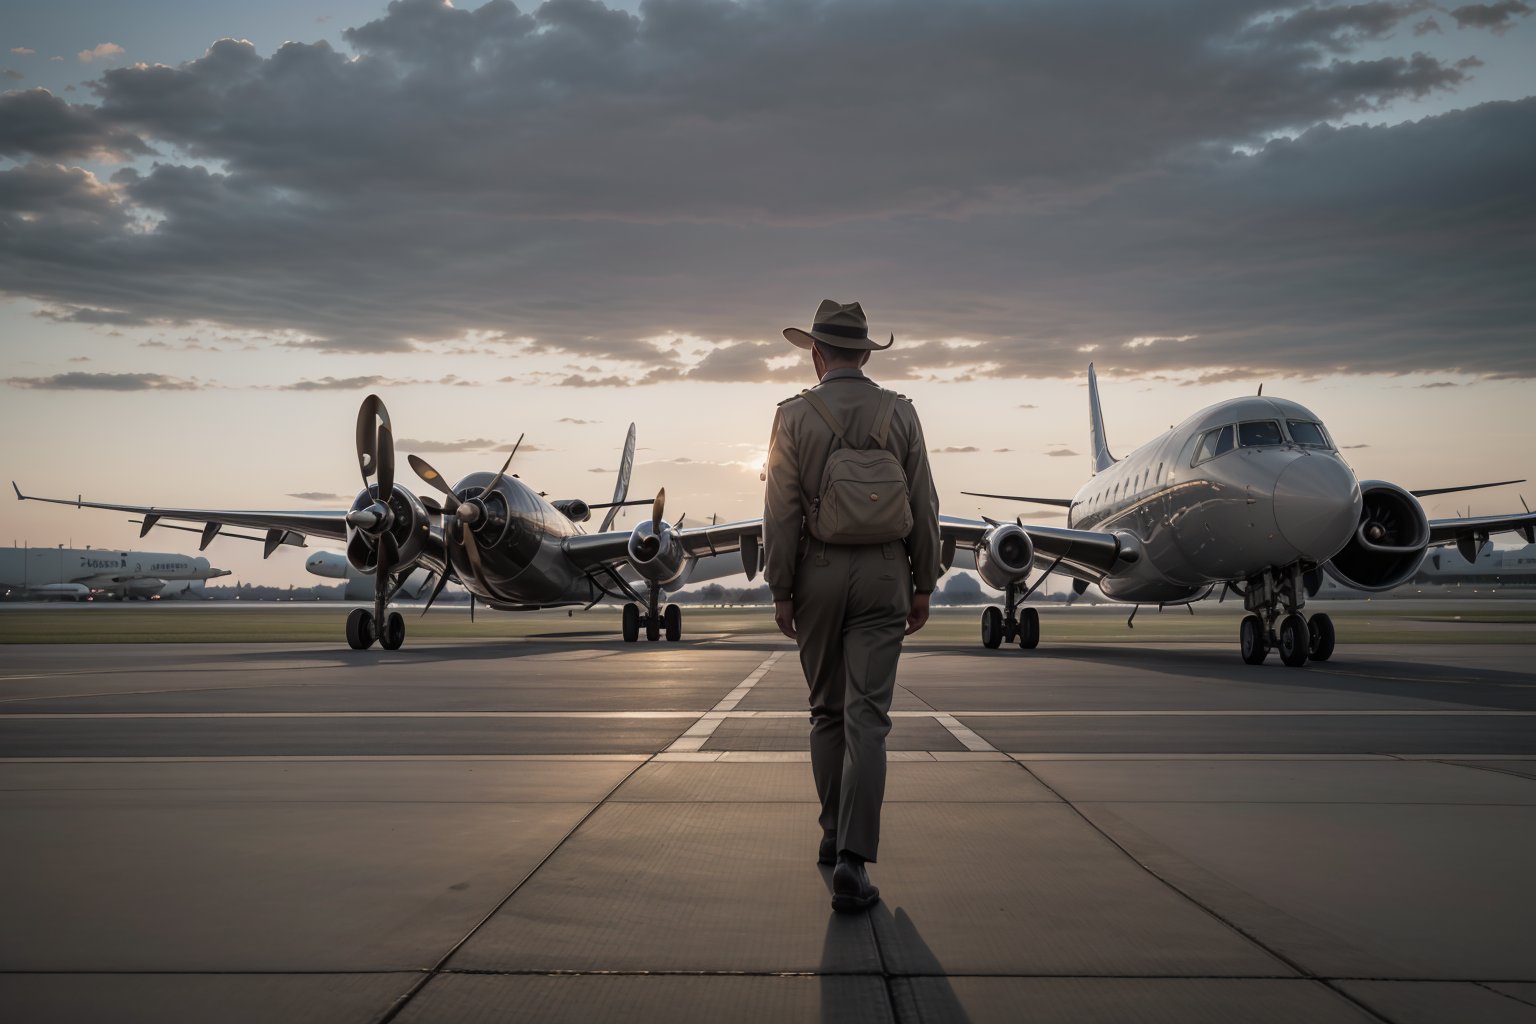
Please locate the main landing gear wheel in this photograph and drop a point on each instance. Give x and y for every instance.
(1294, 640)
(360, 632)
(672, 622)
(1029, 629)
(1320, 632)
(631, 622)
(1251, 636)
(992, 628)
(393, 633)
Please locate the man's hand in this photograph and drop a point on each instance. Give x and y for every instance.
(917, 618)
(784, 618)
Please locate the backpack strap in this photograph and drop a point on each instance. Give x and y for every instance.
(882, 426)
(816, 402)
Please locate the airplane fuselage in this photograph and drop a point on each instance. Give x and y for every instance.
(1240, 487)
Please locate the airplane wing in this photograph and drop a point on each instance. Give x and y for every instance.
(594, 552)
(1081, 554)
(329, 525)
(1470, 533)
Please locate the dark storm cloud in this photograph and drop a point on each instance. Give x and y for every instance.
(36, 122)
(1499, 17)
(370, 381)
(1035, 178)
(82, 315)
(81, 381)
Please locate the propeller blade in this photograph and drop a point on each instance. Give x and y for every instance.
(369, 415)
(503, 470)
(437, 588)
(659, 510)
(386, 458)
(433, 477)
(472, 550)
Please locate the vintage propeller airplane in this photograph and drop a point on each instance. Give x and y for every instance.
(501, 539)
(1250, 495)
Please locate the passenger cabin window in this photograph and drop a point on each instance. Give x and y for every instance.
(1308, 434)
(1259, 434)
(1215, 442)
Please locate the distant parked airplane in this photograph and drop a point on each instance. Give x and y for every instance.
(78, 573)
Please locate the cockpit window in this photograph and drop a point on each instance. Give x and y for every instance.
(1308, 434)
(1215, 442)
(1259, 434)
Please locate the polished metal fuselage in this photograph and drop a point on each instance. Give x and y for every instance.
(1230, 517)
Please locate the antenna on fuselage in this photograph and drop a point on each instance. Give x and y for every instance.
(1261, 390)
(1102, 460)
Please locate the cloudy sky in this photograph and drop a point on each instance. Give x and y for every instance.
(222, 224)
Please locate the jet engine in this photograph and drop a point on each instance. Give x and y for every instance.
(403, 518)
(1004, 556)
(1389, 543)
(655, 550)
(574, 509)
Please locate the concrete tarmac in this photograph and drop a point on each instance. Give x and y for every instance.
(577, 829)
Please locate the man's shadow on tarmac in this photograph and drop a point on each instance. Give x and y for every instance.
(911, 977)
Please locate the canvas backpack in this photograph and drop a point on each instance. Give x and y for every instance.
(864, 497)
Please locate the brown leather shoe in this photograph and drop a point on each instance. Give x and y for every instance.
(851, 890)
(827, 853)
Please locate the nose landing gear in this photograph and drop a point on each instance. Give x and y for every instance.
(1274, 602)
(1010, 624)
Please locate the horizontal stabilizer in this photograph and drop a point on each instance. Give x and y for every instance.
(1058, 502)
(1468, 487)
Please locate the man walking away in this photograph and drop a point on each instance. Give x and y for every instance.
(851, 553)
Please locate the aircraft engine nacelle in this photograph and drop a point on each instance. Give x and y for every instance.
(656, 553)
(1389, 543)
(144, 588)
(574, 509)
(1004, 556)
(407, 522)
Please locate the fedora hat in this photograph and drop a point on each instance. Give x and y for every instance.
(839, 324)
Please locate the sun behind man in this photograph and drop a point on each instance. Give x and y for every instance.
(851, 553)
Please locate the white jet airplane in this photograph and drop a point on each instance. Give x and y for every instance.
(1250, 495)
(493, 533)
(78, 573)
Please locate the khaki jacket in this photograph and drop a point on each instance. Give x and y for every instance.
(797, 455)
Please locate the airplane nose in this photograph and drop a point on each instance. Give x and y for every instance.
(1317, 506)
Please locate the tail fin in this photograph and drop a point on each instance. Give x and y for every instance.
(621, 488)
(1102, 460)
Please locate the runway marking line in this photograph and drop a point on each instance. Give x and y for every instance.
(697, 734)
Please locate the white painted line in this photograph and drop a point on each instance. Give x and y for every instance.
(967, 738)
(1051, 756)
(697, 734)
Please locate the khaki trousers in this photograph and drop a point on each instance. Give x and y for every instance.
(851, 606)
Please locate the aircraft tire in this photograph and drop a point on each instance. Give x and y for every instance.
(360, 634)
(672, 621)
(1252, 641)
(393, 633)
(992, 628)
(631, 623)
(1294, 640)
(1320, 631)
(1029, 629)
